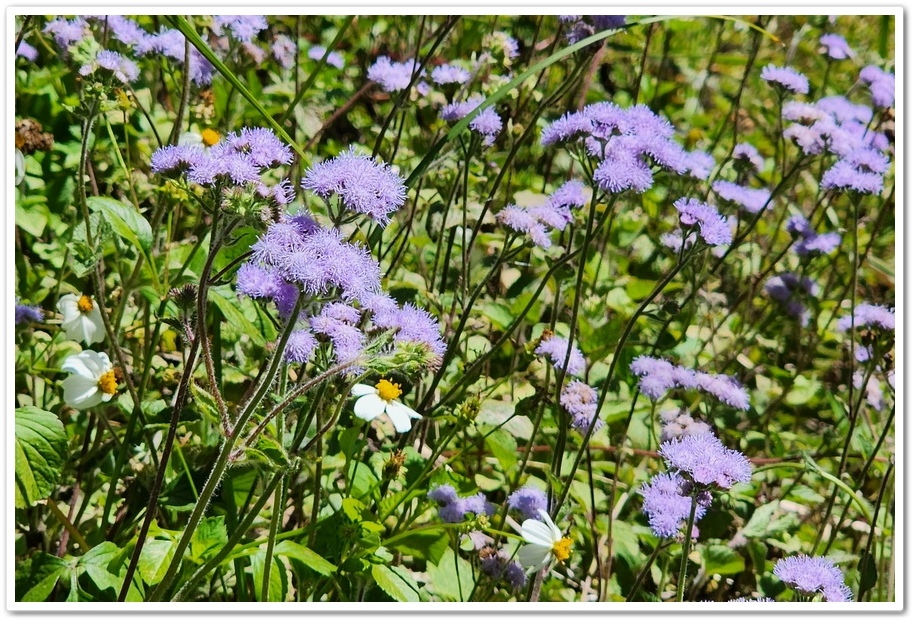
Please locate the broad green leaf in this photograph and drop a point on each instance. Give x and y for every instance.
(155, 559)
(41, 577)
(277, 586)
(503, 447)
(759, 523)
(41, 444)
(393, 584)
(126, 221)
(208, 539)
(451, 579)
(306, 556)
(722, 559)
(98, 563)
(228, 303)
(429, 544)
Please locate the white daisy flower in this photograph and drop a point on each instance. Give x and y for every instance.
(82, 318)
(202, 138)
(374, 401)
(545, 543)
(92, 379)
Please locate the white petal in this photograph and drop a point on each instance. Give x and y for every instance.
(76, 364)
(94, 327)
(80, 392)
(369, 407)
(532, 555)
(555, 532)
(361, 390)
(400, 416)
(537, 532)
(66, 305)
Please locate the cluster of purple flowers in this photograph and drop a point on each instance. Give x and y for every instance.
(629, 141)
(835, 46)
(810, 242)
(487, 122)
(657, 376)
(240, 159)
(792, 291)
(812, 575)
(317, 52)
(785, 78)
(450, 74)
(556, 348)
(706, 461)
(528, 501)
(713, 228)
(667, 501)
(284, 51)
(677, 424)
(554, 213)
(124, 69)
(832, 124)
(241, 27)
(861, 170)
(453, 508)
(868, 315)
(746, 156)
(583, 26)
(392, 75)
(28, 313)
(881, 84)
(581, 402)
(751, 200)
(496, 564)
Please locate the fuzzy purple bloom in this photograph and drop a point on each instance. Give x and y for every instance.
(868, 315)
(861, 170)
(699, 164)
(677, 424)
(28, 313)
(881, 84)
(786, 78)
(581, 402)
(528, 501)
(666, 503)
(67, 32)
(752, 200)
(413, 325)
(725, 388)
(362, 185)
(746, 155)
(450, 74)
(284, 51)
(809, 242)
(171, 43)
(516, 575)
(836, 46)
(334, 59)
(346, 339)
(813, 575)
(714, 228)
(27, 51)
(300, 346)
(391, 75)
(488, 124)
(242, 27)
(176, 158)
(257, 282)
(124, 69)
(555, 348)
(450, 507)
(842, 110)
(704, 459)
(656, 375)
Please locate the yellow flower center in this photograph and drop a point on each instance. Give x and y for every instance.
(387, 390)
(108, 383)
(84, 304)
(209, 137)
(561, 548)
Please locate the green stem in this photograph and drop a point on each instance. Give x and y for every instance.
(688, 540)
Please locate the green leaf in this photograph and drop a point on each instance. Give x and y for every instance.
(758, 525)
(41, 444)
(276, 589)
(310, 559)
(722, 559)
(126, 221)
(229, 305)
(43, 572)
(155, 559)
(97, 564)
(503, 447)
(451, 579)
(429, 544)
(394, 585)
(209, 538)
(868, 573)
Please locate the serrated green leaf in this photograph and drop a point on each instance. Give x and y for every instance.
(126, 221)
(41, 444)
(98, 563)
(759, 523)
(42, 576)
(155, 559)
(394, 585)
(306, 556)
(722, 559)
(209, 537)
(429, 545)
(451, 579)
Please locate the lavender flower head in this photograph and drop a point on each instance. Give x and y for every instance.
(751, 200)
(391, 75)
(666, 503)
(452, 507)
(861, 170)
(658, 376)
(450, 74)
(809, 242)
(699, 164)
(28, 313)
(242, 27)
(284, 50)
(316, 53)
(67, 32)
(27, 51)
(836, 46)
(487, 122)
(555, 348)
(714, 229)
(868, 315)
(881, 84)
(528, 501)
(124, 69)
(171, 43)
(300, 346)
(746, 155)
(786, 78)
(704, 459)
(677, 424)
(813, 575)
(581, 402)
(363, 185)
(411, 324)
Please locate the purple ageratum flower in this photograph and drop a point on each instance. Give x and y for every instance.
(752, 200)
(791, 291)
(881, 84)
(714, 228)
(699, 164)
(362, 185)
(450, 507)
(124, 69)
(868, 315)
(324, 261)
(281, 193)
(677, 424)
(347, 340)
(861, 170)
(809, 241)
(571, 194)
(124, 29)
(242, 27)
(28, 313)
(656, 375)
(581, 402)
(524, 221)
(623, 171)
(786, 78)
(813, 575)
(27, 51)
(450, 74)
(725, 388)
(177, 158)
(300, 346)
(666, 503)
(391, 75)
(413, 325)
(746, 155)
(284, 51)
(841, 109)
(260, 146)
(171, 43)
(553, 214)
(704, 459)
(528, 501)
(555, 348)
(488, 124)
(257, 282)
(67, 32)
(316, 53)
(516, 575)
(836, 46)
(478, 505)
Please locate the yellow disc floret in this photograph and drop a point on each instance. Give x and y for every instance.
(561, 548)
(209, 137)
(387, 390)
(108, 383)
(84, 304)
